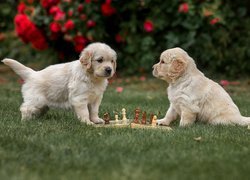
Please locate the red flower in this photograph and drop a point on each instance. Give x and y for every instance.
(54, 10)
(59, 16)
(107, 9)
(183, 8)
(70, 13)
(21, 7)
(28, 32)
(55, 27)
(91, 23)
(119, 89)
(224, 82)
(87, 1)
(83, 17)
(30, 1)
(80, 8)
(148, 26)
(48, 3)
(80, 43)
(69, 25)
(214, 21)
(39, 44)
(119, 38)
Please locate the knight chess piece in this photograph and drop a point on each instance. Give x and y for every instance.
(106, 118)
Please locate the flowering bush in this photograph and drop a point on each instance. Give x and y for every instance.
(138, 30)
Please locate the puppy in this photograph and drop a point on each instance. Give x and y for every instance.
(193, 96)
(79, 84)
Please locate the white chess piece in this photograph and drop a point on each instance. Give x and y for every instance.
(124, 118)
(116, 118)
(154, 120)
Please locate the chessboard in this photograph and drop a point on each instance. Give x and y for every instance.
(136, 123)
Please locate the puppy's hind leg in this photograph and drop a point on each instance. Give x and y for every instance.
(187, 118)
(31, 111)
(33, 108)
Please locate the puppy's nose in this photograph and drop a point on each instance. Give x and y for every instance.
(108, 70)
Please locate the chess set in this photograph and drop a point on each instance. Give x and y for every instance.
(134, 123)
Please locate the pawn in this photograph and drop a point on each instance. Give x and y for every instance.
(116, 117)
(154, 120)
(144, 118)
(151, 118)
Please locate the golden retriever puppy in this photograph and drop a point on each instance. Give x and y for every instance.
(193, 96)
(79, 84)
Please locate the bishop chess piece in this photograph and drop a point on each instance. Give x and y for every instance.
(124, 118)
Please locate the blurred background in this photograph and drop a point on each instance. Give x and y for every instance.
(216, 33)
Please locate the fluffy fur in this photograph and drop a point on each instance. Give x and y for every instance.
(79, 84)
(193, 96)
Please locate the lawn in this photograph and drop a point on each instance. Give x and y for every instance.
(58, 146)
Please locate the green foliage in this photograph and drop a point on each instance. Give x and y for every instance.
(215, 33)
(7, 14)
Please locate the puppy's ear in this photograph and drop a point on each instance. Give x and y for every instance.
(85, 58)
(177, 68)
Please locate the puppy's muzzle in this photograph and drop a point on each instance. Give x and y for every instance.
(108, 71)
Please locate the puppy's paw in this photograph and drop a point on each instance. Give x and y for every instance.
(98, 121)
(185, 123)
(88, 122)
(163, 122)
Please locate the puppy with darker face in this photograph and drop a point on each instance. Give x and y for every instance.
(79, 84)
(193, 96)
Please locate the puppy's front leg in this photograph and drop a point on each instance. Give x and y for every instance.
(94, 109)
(80, 105)
(170, 116)
(187, 118)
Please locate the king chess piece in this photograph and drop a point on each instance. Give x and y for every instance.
(137, 114)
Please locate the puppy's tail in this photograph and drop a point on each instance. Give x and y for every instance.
(23, 71)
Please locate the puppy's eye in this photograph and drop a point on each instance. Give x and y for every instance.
(112, 61)
(100, 60)
(162, 62)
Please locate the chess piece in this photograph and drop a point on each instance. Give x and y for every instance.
(144, 118)
(106, 118)
(124, 118)
(154, 120)
(116, 117)
(137, 114)
(151, 118)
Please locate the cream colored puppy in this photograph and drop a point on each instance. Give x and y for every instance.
(79, 84)
(193, 96)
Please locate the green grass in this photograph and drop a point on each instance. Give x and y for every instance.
(58, 146)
